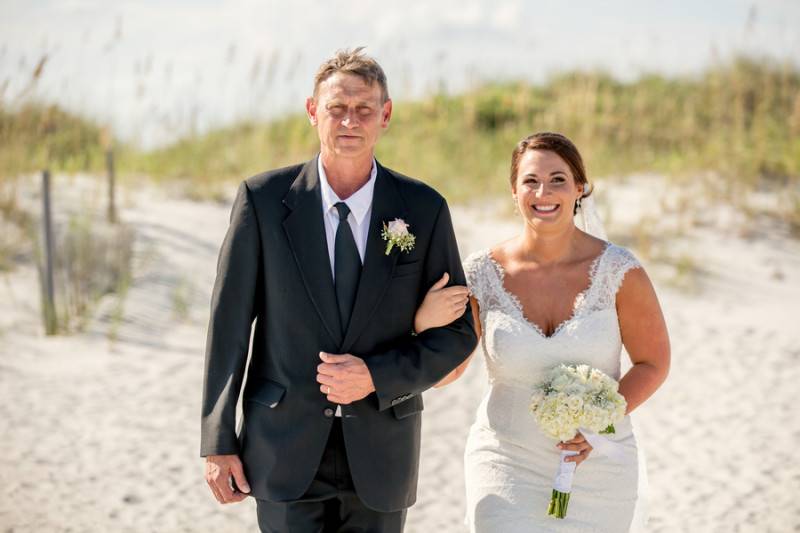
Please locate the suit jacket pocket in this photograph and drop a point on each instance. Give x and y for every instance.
(266, 392)
(409, 407)
(407, 269)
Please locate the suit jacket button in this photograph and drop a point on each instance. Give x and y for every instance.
(328, 412)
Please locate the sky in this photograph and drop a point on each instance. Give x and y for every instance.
(153, 70)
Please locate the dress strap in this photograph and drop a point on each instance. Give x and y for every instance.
(484, 280)
(611, 270)
(478, 279)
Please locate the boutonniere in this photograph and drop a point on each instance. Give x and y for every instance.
(396, 233)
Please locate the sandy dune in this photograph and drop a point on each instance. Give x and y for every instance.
(100, 429)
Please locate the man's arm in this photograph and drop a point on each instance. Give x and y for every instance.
(419, 362)
(233, 308)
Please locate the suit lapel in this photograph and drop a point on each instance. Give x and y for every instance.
(305, 230)
(378, 267)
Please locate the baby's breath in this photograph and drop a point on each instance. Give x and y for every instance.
(404, 241)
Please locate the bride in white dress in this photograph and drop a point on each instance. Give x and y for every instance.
(553, 294)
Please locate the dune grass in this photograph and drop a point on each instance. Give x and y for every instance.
(92, 258)
(36, 136)
(740, 120)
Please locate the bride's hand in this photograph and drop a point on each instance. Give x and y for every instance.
(441, 306)
(577, 444)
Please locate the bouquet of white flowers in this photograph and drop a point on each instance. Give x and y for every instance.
(573, 398)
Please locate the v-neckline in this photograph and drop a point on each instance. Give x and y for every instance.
(576, 303)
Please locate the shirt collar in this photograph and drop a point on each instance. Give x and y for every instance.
(359, 202)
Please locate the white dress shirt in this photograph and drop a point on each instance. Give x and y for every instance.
(360, 204)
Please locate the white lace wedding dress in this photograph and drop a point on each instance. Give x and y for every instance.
(509, 463)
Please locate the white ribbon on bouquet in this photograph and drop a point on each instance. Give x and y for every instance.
(600, 445)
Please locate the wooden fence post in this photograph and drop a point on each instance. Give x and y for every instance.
(112, 208)
(48, 298)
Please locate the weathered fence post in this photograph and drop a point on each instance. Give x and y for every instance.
(112, 208)
(48, 298)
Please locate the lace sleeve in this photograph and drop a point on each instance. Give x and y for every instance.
(620, 261)
(611, 270)
(477, 280)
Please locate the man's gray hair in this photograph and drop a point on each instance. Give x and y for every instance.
(355, 62)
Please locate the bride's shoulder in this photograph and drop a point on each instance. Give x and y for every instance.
(621, 257)
(480, 273)
(477, 260)
(616, 266)
(487, 261)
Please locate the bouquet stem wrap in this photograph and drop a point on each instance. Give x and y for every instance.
(562, 484)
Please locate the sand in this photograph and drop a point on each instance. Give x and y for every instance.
(101, 428)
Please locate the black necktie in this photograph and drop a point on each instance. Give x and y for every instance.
(346, 266)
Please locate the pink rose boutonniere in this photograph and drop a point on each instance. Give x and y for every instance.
(396, 233)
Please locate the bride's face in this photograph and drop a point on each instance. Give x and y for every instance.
(545, 190)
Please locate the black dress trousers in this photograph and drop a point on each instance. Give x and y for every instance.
(330, 504)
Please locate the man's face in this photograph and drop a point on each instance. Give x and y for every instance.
(349, 115)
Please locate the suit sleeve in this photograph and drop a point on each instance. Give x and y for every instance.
(233, 309)
(419, 362)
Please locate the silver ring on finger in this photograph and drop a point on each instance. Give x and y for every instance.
(329, 390)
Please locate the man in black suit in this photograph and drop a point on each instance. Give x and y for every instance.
(332, 402)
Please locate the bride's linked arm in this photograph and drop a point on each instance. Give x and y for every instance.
(457, 371)
(644, 334)
(440, 307)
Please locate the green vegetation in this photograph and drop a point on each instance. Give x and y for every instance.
(117, 314)
(740, 120)
(17, 229)
(92, 259)
(36, 136)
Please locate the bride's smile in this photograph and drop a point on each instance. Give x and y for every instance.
(545, 208)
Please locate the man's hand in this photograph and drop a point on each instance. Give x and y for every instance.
(344, 378)
(219, 470)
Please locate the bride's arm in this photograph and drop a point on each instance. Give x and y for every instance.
(456, 373)
(644, 334)
(441, 306)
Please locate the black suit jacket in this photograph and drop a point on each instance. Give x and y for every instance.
(274, 269)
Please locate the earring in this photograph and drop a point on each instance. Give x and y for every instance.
(516, 207)
(577, 206)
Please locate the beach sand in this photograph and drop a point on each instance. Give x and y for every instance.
(101, 428)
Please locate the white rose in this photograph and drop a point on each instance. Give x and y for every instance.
(575, 403)
(398, 227)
